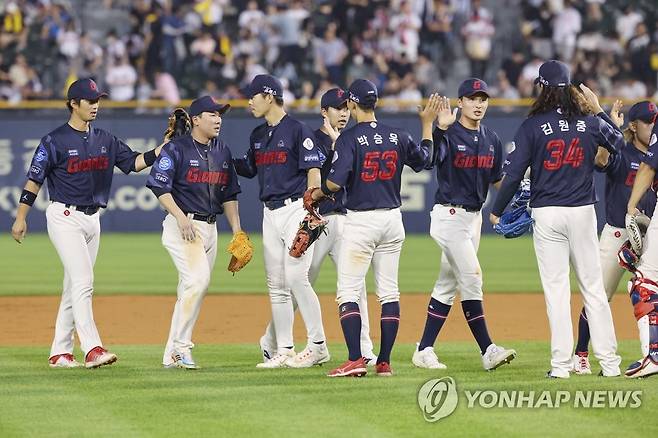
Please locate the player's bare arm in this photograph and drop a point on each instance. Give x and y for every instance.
(313, 178)
(19, 228)
(643, 181)
(142, 160)
(184, 223)
(232, 215)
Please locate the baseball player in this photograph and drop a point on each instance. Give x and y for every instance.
(468, 158)
(77, 160)
(335, 117)
(559, 141)
(643, 289)
(369, 166)
(283, 154)
(194, 180)
(620, 173)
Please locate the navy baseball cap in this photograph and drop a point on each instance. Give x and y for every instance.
(473, 86)
(645, 111)
(363, 92)
(263, 84)
(84, 89)
(554, 74)
(207, 104)
(334, 98)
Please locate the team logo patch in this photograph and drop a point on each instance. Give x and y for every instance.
(452, 211)
(194, 163)
(314, 157)
(41, 153)
(73, 152)
(653, 139)
(322, 156)
(225, 165)
(373, 124)
(635, 166)
(617, 234)
(256, 145)
(103, 150)
(461, 148)
(335, 157)
(475, 138)
(161, 177)
(35, 170)
(281, 144)
(165, 163)
(67, 213)
(491, 148)
(308, 144)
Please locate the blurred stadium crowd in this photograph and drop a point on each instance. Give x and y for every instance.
(173, 49)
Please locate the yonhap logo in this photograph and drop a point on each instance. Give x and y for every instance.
(438, 398)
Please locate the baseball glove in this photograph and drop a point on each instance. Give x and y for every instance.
(627, 257)
(522, 195)
(241, 251)
(309, 231)
(637, 225)
(514, 223)
(179, 123)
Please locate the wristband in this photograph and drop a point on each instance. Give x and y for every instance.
(27, 198)
(325, 190)
(149, 157)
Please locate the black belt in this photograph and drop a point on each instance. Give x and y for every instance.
(273, 205)
(465, 207)
(209, 218)
(86, 209)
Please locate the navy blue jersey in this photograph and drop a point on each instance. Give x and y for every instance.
(79, 165)
(651, 157)
(467, 161)
(370, 159)
(327, 156)
(620, 172)
(280, 155)
(560, 154)
(200, 178)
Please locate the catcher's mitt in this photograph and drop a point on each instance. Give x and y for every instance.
(241, 251)
(514, 223)
(627, 257)
(636, 225)
(179, 123)
(309, 231)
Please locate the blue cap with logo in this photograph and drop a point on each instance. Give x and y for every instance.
(267, 84)
(645, 111)
(207, 104)
(473, 86)
(334, 98)
(554, 74)
(84, 89)
(363, 92)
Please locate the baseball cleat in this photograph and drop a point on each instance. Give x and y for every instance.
(98, 357)
(311, 355)
(496, 356)
(268, 350)
(184, 360)
(351, 368)
(279, 360)
(427, 358)
(383, 369)
(581, 364)
(642, 368)
(550, 375)
(370, 359)
(66, 360)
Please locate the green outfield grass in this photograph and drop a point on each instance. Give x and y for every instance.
(138, 264)
(230, 397)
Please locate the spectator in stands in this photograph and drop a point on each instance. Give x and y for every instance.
(478, 32)
(567, 25)
(330, 52)
(252, 18)
(121, 78)
(406, 27)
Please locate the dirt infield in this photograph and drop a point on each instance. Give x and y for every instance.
(242, 319)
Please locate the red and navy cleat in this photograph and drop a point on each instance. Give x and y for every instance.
(351, 368)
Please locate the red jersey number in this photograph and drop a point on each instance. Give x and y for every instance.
(574, 157)
(379, 165)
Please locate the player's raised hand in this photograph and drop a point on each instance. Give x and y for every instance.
(331, 132)
(591, 98)
(616, 115)
(446, 116)
(431, 109)
(18, 230)
(186, 228)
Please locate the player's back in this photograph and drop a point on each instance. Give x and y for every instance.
(378, 154)
(562, 161)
